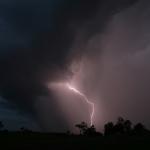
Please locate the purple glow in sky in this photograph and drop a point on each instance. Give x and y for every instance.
(82, 95)
(86, 99)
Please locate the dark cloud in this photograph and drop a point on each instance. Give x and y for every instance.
(117, 78)
(37, 39)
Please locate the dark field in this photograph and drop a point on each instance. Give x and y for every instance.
(41, 141)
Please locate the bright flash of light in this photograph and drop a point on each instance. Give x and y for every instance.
(86, 99)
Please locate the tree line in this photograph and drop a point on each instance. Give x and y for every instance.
(120, 127)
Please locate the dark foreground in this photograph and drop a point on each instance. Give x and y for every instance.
(38, 141)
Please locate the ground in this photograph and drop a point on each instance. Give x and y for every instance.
(40, 141)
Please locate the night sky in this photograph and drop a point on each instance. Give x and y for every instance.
(101, 47)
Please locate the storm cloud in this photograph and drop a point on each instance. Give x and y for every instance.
(40, 40)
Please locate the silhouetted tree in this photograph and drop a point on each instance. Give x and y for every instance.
(127, 126)
(120, 120)
(109, 128)
(82, 127)
(139, 129)
(85, 130)
(122, 126)
(91, 131)
(119, 126)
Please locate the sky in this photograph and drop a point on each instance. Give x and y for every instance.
(101, 47)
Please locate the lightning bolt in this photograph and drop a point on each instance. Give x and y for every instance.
(86, 99)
